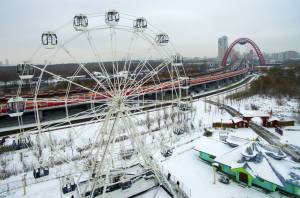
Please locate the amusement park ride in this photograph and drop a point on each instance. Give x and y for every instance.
(108, 165)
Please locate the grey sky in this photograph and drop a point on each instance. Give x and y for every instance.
(193, 25)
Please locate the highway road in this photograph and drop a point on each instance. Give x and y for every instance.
(57, 116)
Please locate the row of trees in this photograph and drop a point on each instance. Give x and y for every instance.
(9, 73)
(278, 82)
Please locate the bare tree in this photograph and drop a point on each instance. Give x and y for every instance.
(158, 117)
(200, 123)
(165, 116)
(148, 121)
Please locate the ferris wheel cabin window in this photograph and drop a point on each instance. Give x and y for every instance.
(112, 17)
(162, 39)
(25, 71)
(177, 60)
(140, 23)
(49, 39)
(80, 22)
(15, 106)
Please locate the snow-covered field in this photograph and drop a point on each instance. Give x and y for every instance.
(284, 109)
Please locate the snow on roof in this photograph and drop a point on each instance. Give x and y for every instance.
(231, 158)
(264, 171)
(273, 118)
(232, 139)
(286, 170)
(211, 146)
(257, 120)
(226, 121)
(268, 168)
(237, 119)
(250, 113)
(233, 120)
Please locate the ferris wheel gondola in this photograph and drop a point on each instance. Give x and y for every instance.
(177, 60)
(140, 24)
(184, 82)
(80, 22)
(162, 39)
(112, 18)
(49, 40)
(15, 106)
(25, 71)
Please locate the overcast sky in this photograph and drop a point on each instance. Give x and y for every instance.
(193, 25)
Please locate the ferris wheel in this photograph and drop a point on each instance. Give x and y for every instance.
(126, 71)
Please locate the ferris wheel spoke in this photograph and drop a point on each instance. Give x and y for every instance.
(127, 63)
(147, 78)
(133, 101)
(85, 69)
(138, 68)
(99, 61)
(152, 77)
(71, 100)
(137, 71)
(127, 29)
(50, 127)
(67, 80)
(156, 76)
(151, 74)
(92, 114)
(151, 89)
(175, 82)
(68, 91)
(115, 69)
(129, 57)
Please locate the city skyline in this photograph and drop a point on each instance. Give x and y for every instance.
(193, 27)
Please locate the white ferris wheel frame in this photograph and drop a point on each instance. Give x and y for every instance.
(112, 112)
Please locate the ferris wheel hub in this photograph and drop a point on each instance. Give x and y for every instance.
(117, 103)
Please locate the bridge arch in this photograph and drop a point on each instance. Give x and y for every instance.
(243, 41)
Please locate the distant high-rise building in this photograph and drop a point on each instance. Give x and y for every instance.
(1, 63)
(222, 47)
(281, 56)
(6, 62)
(290, 55)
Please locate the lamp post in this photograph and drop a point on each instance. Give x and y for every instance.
(214, 166)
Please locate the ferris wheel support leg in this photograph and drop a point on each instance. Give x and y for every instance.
(98, 169)
(98, 139)
(41, 115)
(148, 160)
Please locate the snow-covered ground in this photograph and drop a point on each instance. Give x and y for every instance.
(198, 176)
(284, 109)
(195, 175)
